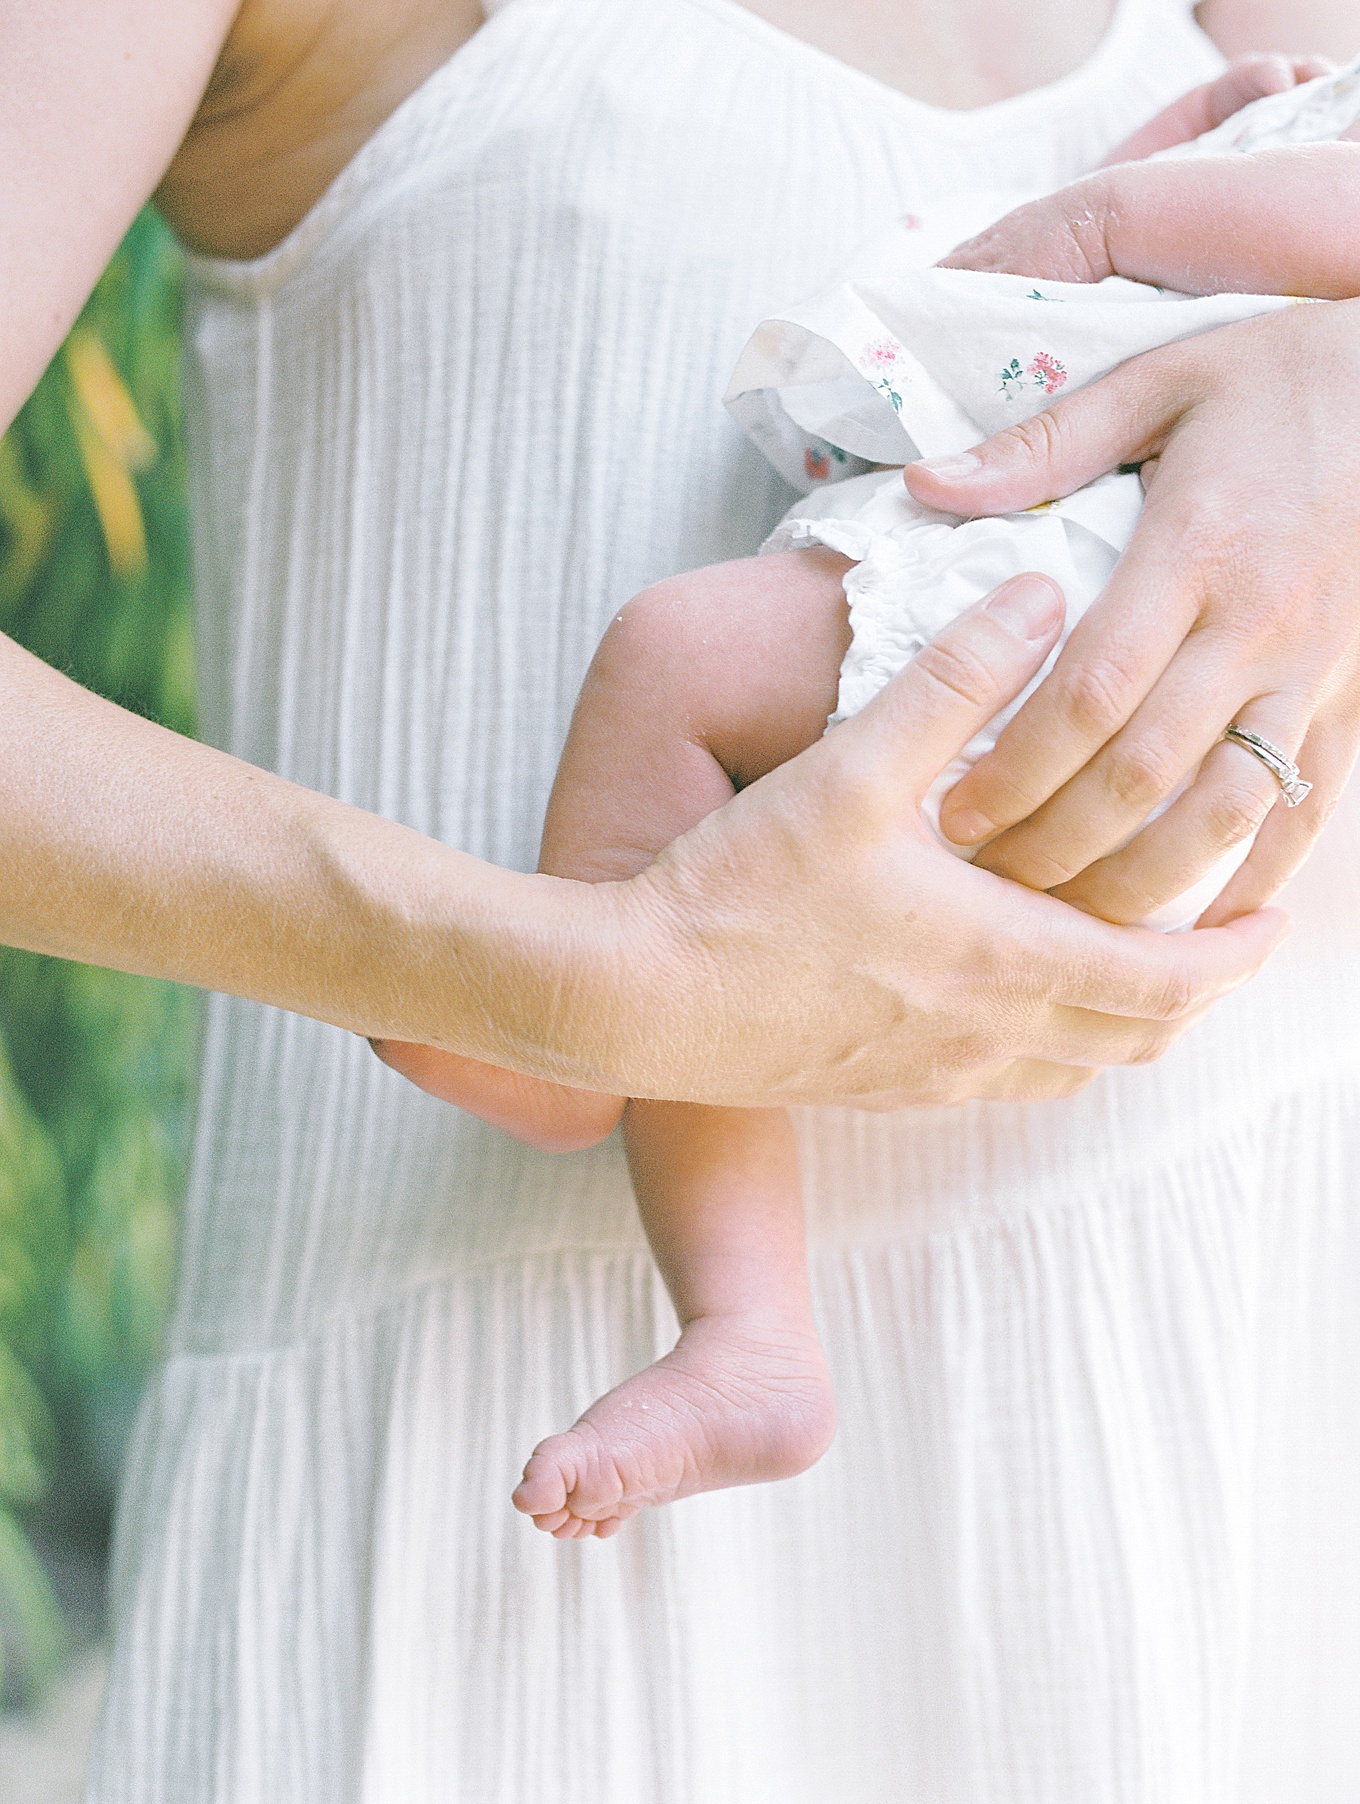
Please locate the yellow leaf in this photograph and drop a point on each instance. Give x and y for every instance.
(104, 397)
(115, 497)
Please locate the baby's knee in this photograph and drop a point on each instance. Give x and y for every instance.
(702, 682)
(744, 657)
(667, 634)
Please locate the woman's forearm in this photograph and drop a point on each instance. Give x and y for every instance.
(130, 846)
(804, 944)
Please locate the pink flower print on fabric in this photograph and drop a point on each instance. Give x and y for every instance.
(881, 353)
(879, 360)
(1047, 372)
(1042, 371)
(910, 222)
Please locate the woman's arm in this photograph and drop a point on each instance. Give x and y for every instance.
(94, 101)
(809, 942)
(804, 944)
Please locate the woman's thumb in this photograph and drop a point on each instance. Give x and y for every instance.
(1020, 467)
(1121, 419)
(957, 683)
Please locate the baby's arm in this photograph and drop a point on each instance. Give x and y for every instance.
(1272, 222)
(1248, 78)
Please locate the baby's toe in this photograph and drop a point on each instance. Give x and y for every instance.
(544, 1488)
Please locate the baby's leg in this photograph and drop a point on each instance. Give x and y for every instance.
(744, 1397)
(700, 686)
(646, 781)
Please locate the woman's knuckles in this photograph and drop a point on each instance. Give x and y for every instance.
(1139, 774)
(1094, 698)
(991, 796)
(1236, 808)
(1034, 455)
(1025, 856)
(954, 676)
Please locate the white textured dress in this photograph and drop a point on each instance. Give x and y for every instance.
(1087, 1535)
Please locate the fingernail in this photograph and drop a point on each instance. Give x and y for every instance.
(954, 468)
(1030, 605)
(966, 828)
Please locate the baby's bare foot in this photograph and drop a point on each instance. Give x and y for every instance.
(740, 1401)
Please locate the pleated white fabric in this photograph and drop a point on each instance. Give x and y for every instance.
(1086, 1536)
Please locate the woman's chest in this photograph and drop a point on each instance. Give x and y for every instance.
(475, 402)
(963, 56)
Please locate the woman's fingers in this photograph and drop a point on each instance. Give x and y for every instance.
(1215, 817)
(1124, 995)
(1121, 419)
(1325, 759)
(1117, 652)
(1035, 1080)
(1111, 663)
(1104, 810)
(930, 711)
(1104, 970)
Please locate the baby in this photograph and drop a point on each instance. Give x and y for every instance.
(708, 681)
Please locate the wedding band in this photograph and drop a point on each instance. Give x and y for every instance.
(1284, 770)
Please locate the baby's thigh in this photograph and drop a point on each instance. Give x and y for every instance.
(701, 684)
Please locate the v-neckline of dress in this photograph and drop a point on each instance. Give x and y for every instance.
(993, 115)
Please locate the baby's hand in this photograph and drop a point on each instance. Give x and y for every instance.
(1246, 79)
(1065, 237)
(1279, 221)
(1165, 223)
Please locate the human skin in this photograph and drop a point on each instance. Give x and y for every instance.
(709, 681)
(1247, 78)
(1277, 222)
(704, 684)
(1229, 603)
(133, 848)
(1214, 614)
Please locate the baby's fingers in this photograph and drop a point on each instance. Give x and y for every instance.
(1060, 238)
(1256, 77)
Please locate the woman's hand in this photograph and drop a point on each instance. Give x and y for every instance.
(811, 941)
(1236, 601)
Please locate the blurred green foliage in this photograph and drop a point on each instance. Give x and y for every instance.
(95, 1067)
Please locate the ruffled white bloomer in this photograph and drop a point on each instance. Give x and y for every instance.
(902, 361)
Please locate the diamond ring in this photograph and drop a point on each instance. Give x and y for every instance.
(1284, 770)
